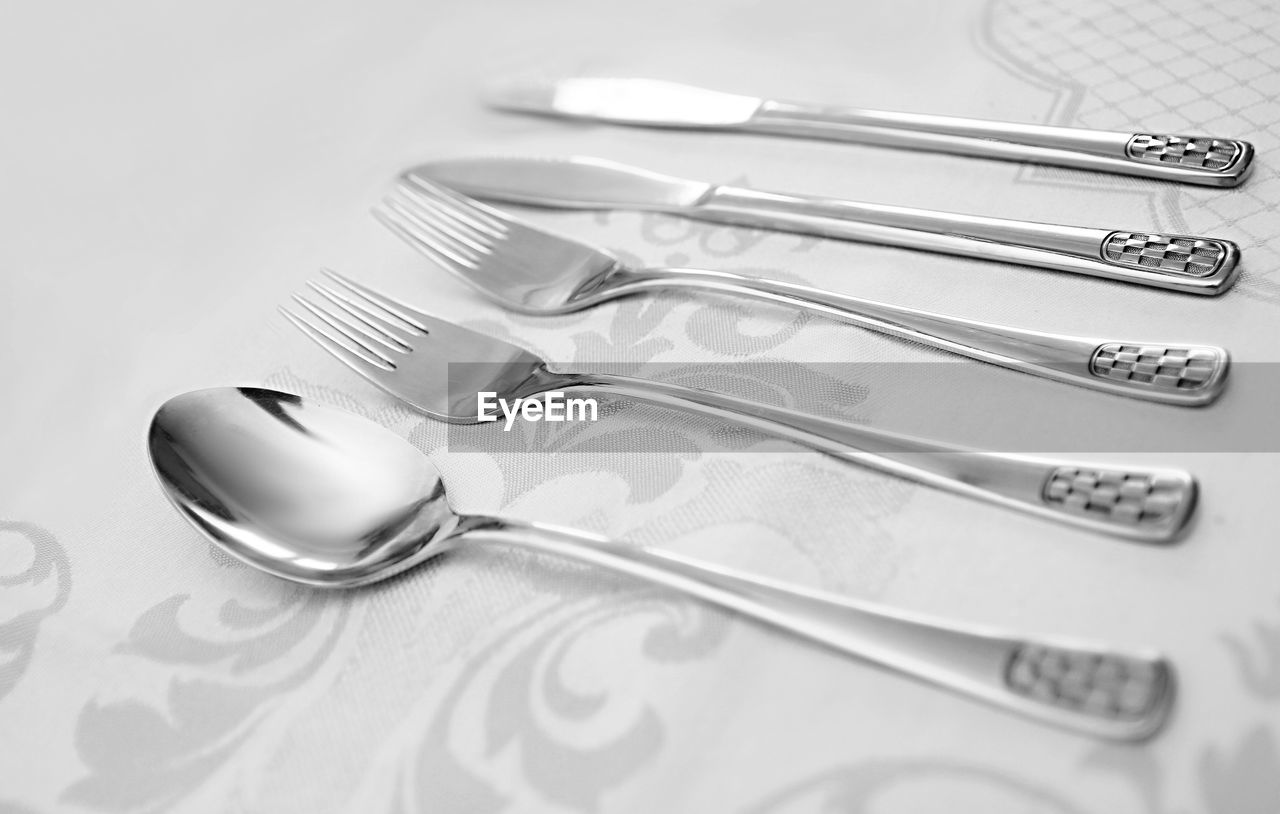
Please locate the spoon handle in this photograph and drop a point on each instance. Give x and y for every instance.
(1165, 372)
(1145, 504)
(1094, 690)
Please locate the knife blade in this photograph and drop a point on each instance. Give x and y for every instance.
(1176, 262)
(571, 183)
(648, 102)
(1195, 159)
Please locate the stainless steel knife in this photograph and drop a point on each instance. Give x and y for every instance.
(1206, 160)
(1197, 265)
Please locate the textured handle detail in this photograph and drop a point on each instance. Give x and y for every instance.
(1192, 371)
(1165, 254)
(1201, 152)
(1113, 495)
(1100, 684)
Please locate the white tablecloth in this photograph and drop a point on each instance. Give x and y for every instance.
(172, 172)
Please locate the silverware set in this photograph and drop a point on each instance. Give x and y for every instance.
(409, 353)
(325, 498)
(533, 271)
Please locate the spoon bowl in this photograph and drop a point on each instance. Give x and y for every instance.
(304, 492)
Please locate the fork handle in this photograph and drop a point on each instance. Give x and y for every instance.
(1148, 505)
(1170, 373)
(1097, 691)
(1184, 263)
(1204, 160)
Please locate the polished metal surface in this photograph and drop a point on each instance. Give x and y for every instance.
(1188, 260)
(1172, 369)
(531, 270)
(326, 498)
(1126, 688)
(1127, 496)
(578, 182)
(1188, 159)
(1202, 152)
(1190, 264)
(309, 494)
(409, 353)
(626, 101)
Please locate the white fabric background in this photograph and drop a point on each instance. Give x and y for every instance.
(173, 172)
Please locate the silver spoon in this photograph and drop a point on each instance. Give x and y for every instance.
(327, 498)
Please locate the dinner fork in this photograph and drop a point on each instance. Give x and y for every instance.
(534, 271)
(408, 353)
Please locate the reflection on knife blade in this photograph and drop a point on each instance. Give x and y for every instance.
(628, 101)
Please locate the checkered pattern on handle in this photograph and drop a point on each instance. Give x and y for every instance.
(1201, 152)
(1102, 684)
(1165, 254)
(1159, 367)
(1131, 498)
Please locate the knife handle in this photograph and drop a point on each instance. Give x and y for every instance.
(1197, 265)
(1201, 160)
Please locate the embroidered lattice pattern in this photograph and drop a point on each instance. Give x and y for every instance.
(1216, 80)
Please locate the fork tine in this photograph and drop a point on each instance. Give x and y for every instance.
(349, 331)
(437, 215)
(443, 250)
(398, 310)
(440, 210)
(352, 358)
(395, 222)
(481, 216)
(428, 238)
(442, 224)
(392, 337)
